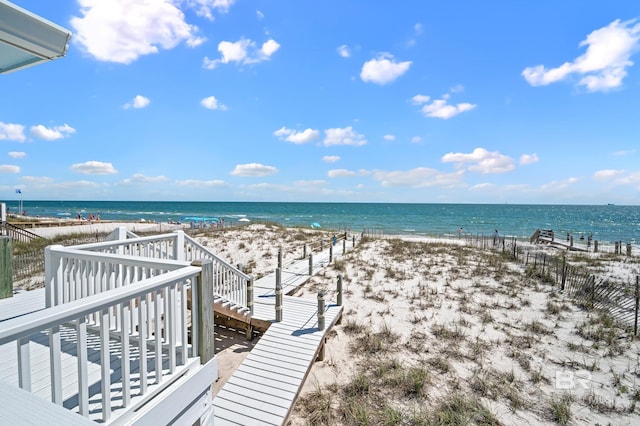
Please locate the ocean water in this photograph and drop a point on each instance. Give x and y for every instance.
(604, 222)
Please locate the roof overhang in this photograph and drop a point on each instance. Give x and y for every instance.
(27, 39)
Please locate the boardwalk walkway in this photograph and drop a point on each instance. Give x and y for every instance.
(265, 386)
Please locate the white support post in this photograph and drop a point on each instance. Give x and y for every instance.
(55, 364)
(178, 247)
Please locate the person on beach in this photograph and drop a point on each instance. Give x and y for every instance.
(459, 232)
(335, 240)
(495, 237)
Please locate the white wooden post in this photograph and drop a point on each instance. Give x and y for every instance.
(278, 295)
(321, 310)
(178, 247)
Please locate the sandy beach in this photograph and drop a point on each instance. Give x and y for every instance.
(437, 332)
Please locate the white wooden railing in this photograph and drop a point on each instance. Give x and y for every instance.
(150, 344)
(70, 275)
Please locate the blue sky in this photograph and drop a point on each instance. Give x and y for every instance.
(346, 101)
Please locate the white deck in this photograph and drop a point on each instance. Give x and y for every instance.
(32, 301)
(262, 390)
(265, 386)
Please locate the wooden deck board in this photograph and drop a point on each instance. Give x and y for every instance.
(244, 412)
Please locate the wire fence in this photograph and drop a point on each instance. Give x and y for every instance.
(620, 299)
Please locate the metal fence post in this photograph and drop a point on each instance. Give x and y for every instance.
(280, 257)
(278, 295)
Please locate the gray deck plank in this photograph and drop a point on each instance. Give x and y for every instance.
(245, 413)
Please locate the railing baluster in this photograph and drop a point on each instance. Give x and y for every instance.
(170, 327)
(105, 367)
(55, 364)
(142, 343)
(83, 379)
(24, 364)
(157, 319)
(125, 364)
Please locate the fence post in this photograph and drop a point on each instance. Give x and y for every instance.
(564, 271)
(6, 267)
(304, 250)
(628, 249)
(595, 246)
(330, 253)
(635, 321)
(354, 240)
(320, 310)
(321, 244)
(339, 291)
(206, 337)
(593, 291)
(250, 295)
(280, 257)
(344, 246)
(310, 263)
(278, 295)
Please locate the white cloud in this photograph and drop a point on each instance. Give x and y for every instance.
(12, 132)
(243, 51)
(458, 88)
(418, 28)
(420, 177)
(529, 158)
(205, 8)
(260, 15)
(140, 178)
(482, 186)
(559, 185)
(416, 139)
(17, 154)
(294, 136)
(602, 67)
(439, 108)
(269, 47)
(624, 153)
(340, 173)
(331, 158)
(383, 69)
(123, 30)
(420, 99)
(53, 133)
(212, 103)
(253, 170)
(94, 168)
(37, 180)
(389, 137)
(608, 174)
(343, 136)
(8, 168)
(194, 183)
(481, 161)
(138, 102)
(344, 51)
